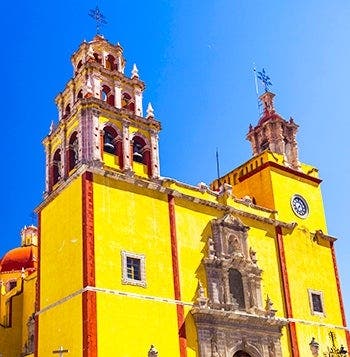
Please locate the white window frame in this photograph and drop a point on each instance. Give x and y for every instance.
(320, 293)
(125, 279)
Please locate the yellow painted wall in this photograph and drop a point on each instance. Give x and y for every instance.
(61, 271)
(257, 186)
(193, 229)
(11, 337)
(285, 185)
(62, 326)
(135, 220)
(29, 291)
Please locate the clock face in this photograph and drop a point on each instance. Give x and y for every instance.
(299, 206)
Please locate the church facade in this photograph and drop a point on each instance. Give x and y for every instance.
(134, 264)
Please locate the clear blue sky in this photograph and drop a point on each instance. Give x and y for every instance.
(196, 58)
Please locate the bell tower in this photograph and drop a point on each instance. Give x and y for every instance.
(274, 133)
(101, 121)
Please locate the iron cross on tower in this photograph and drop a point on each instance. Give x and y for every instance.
(61, 351)
(265, 79)
(100, 19)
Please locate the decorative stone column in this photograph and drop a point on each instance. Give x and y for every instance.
(154, 155)
(138, 102)
(118, 95)
(126, 147)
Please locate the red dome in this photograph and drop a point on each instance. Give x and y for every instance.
(18, 258)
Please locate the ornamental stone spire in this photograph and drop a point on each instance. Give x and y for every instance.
(274, 133)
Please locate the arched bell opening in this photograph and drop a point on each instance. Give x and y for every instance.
(56, 166)
(141, 154)
(80, 94)
(72, 152)
(97, 58)
(264, 146)
(111, 63)
(112, 144)
(107, 95)
(67, 110)
(127, 102)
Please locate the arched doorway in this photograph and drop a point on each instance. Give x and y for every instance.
(241, 354)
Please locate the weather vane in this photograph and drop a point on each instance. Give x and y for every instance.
(265, 79)
(100, 19)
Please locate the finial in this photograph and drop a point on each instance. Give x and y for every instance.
(51, 127)
(314, 346)
(100, 19)
(150, 111)
(269, 310)
(152, 352)
(265, 79)
(134, 72)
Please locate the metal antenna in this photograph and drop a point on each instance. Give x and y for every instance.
(218, 166)
(33, 218)
(100, 19)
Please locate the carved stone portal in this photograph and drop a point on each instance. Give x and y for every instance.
(232, 321)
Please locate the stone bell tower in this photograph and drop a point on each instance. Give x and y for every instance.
(101, 121)
(274, 133)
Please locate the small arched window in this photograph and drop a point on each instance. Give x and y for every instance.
(80, 94)
(110, 63)
(106, 95)
(97, 58)
(127, 102)
(67, 110)
(11, 284)
(236, 287)
(56, 167)
(138, 150)
(73, 152)
(264, 145)
(80, 63)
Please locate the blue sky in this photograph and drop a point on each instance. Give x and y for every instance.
(196, 58)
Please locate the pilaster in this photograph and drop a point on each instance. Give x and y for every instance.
(126, 147)
(118, 95)
(154, 154)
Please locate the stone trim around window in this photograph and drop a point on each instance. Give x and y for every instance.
(125, 278)
(314, 309)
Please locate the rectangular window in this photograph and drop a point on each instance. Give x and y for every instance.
(133, 268)
(316, 302)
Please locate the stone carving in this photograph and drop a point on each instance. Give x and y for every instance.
(202, 300)
(152, 352)
(314, 347)
(270, 312)
(231, 319)
(214, 345)
(229, 262)
(252, 255)
(29, 344)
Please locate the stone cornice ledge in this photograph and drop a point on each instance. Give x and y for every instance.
(239, 317)
(320, 235)
(157, 185)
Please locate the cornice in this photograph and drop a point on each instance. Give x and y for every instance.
(282, 168)
(157, 185)
(237, 318)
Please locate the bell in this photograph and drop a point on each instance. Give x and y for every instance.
(108, 146)
(137, 156)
